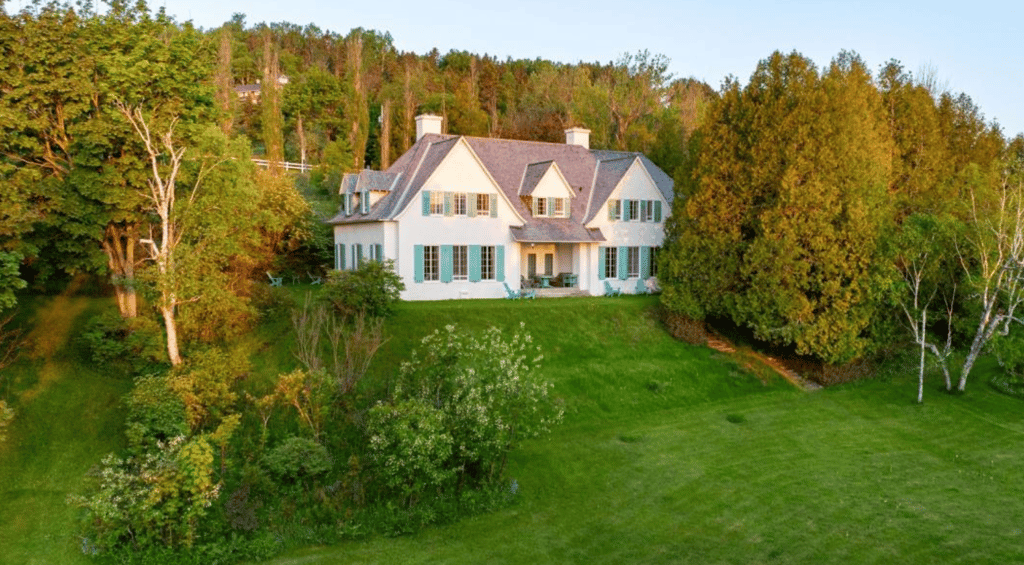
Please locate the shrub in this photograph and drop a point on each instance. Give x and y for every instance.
(297, 459)
(133, 342)
(372, 289)
(205, 385)
(6, 416)
(411, 447)
(158, 497)
(155, 413)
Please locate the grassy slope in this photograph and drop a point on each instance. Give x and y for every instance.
(647, 468)
(855, 474)
(68, 418)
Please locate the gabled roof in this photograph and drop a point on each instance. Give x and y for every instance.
(516, 167)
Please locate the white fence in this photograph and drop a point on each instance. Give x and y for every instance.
(301, 167)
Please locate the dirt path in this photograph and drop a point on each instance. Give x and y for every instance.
(720, 344)
(50, 332)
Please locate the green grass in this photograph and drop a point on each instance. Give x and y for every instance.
(669, 454)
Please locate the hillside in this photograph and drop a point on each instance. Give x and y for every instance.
(669, 453)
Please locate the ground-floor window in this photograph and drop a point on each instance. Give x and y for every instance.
(487, 263)
(611, 262)
(431, 262)
(633, 262)
(460, 263)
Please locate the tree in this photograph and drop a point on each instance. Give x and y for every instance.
(992, 256)
(789, 207)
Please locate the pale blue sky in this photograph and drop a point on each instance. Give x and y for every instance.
(974, 46)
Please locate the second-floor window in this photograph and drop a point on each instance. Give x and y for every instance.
(459, 202)
(483, 204)
(437, 203)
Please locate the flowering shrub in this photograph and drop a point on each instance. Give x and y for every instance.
(372, 289)
(157, 497)
(480, 393)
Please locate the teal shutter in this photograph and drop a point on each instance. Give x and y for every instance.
(474, 263)
(494, 205)
(643, 210)
(645, 262)
(447, 257)
(499, 262)
(625, 210)
(449, 203)
(657, 210)
(364, 202)
(380, 252)
(359, 255)
(339, 257)
(426, 202)
(622, 263)
(417, 257)
(471, 205)
(600, 262)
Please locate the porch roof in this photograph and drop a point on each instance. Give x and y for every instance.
(555, 231)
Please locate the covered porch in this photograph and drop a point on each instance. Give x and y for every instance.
(555, 254)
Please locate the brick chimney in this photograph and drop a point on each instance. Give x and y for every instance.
(427, 123)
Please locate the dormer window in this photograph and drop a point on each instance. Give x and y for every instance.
(551, 207)
(483, 204)
(460, 203)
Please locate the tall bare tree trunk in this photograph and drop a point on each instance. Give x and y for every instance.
(270, 100)
(119, 245)
(302, 139)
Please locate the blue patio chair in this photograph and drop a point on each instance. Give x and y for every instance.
(316, 280)
(511, 294)
(275, 281)
(531, 294)
(609, 290)
(641, 286)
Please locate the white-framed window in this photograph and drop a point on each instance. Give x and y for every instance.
(542, 209)
(460, 262)
(611, 260)
(459, 203)
(634, 209)
(436, 203)
(646, 210)
(559, 208)
(483, 204)
(633, 262)
(487, 263)
(614, 209)
(431, 262)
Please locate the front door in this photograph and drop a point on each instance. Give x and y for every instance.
(531, 265)
(549, 264)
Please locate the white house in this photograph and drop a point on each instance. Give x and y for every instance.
(462, 217)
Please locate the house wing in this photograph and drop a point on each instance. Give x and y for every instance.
(661, 179)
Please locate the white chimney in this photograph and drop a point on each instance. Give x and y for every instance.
(578, 136)
(427, 123)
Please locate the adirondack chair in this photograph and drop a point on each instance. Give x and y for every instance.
(641, 286)
(511, 294)
(316, 280)
(609, 290)
(530, 293)
(275, 281)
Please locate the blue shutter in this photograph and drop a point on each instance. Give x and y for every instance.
(341, 256)
(624, 204)
(600, 262)
(643, 211)
(645, 262)
(426, 202)
(447, 257)
(380, 252)
(474, 263)
(623, 263)
(417, 253)
(449, 203)
(494, 205)
(338, 256)
(359, 255)
(499, 262)
(657, 210)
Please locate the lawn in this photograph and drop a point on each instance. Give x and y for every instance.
(669, 453)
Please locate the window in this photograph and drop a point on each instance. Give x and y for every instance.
(431, 262)
(541, 207)
(436, 203)
(460, 262)
(559, 208)
(646, 210)
(487, 263)
(633, 262)
(460, 203)
(611, 256)
(634, 212)
(614, 209)
(483, 204)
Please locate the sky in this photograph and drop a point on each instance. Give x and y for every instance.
(974, 47)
